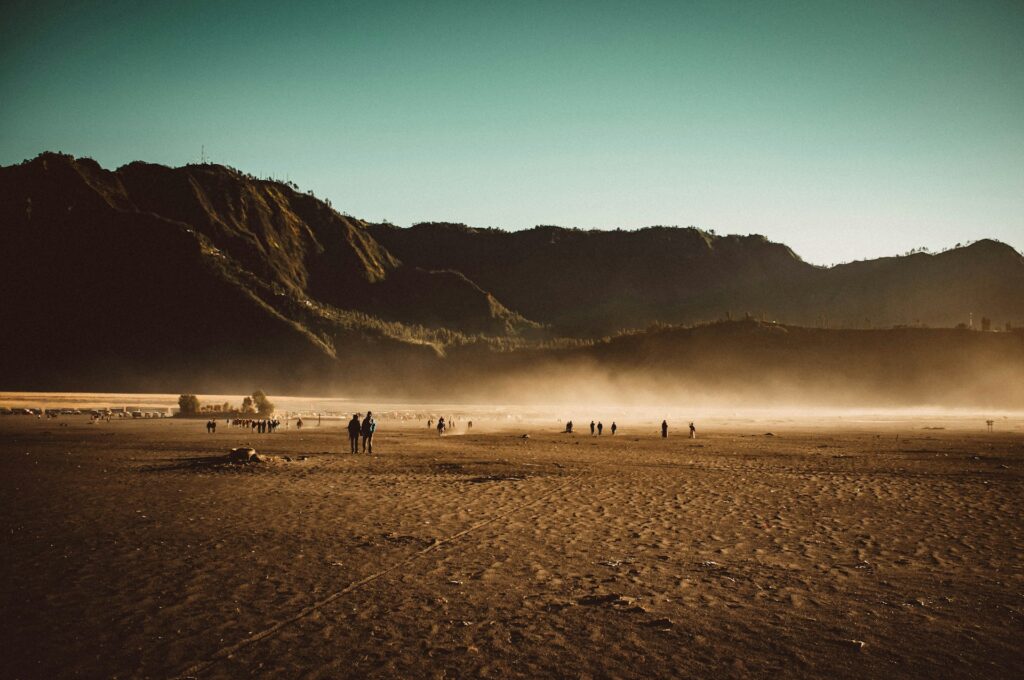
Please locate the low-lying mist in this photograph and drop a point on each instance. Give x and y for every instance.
(720, 388)
(722, 367)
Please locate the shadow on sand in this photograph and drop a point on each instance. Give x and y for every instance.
(200, 464)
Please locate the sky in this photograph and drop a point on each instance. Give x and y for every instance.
(846, 130)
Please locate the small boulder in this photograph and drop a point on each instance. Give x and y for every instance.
(243, 454)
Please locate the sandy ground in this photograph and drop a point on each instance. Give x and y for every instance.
(130, 550)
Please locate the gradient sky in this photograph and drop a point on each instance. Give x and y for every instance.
(843, 129)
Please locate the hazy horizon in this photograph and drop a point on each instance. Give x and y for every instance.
(845, 133)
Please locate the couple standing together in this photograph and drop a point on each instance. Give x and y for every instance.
(366, 429)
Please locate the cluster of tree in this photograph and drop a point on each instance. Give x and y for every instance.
(925, 249)
(255, 404)
(258, 404)
(188, 404)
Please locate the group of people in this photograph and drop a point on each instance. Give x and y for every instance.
(364, 429)
(664, 430)
(258, 425)
(443, 425)
(598, 428)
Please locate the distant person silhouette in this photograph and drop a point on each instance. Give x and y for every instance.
(591, 428)
(369, 427)
(568, 427)
(664, 429)
(600, 428)
(614, 427)
(298, 424)
(440, 426)
(693, 431)
(354, 428)
(430, 423)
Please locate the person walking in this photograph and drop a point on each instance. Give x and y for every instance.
(600, 428)
(591, 428)
(693, 431)
(354, 428)
(440, 426)
(369, 427)
(614, 427)
(664, 429)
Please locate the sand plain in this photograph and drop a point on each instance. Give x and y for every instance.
(821, 550)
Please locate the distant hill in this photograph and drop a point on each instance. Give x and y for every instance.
(597, 282)
(205, 278)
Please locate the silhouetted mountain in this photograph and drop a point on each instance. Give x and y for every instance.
(290, 241)
(298, 243)
(150, 271)
(985, 278)
(203, 278)
(586, 282)
(93, 291)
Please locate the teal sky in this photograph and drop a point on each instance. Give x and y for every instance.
(843, 129)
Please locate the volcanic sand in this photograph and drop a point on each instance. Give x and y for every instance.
(131, 550)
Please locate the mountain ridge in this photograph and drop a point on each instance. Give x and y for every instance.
(204, 275)
(686, 275)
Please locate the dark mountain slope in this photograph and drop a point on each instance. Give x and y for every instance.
(289, 241)
(985, 278)
(96, 290)
(296, 241)
(586, 282)
(589, 282)
(282, 236)
(204, 279)
(88, 298)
